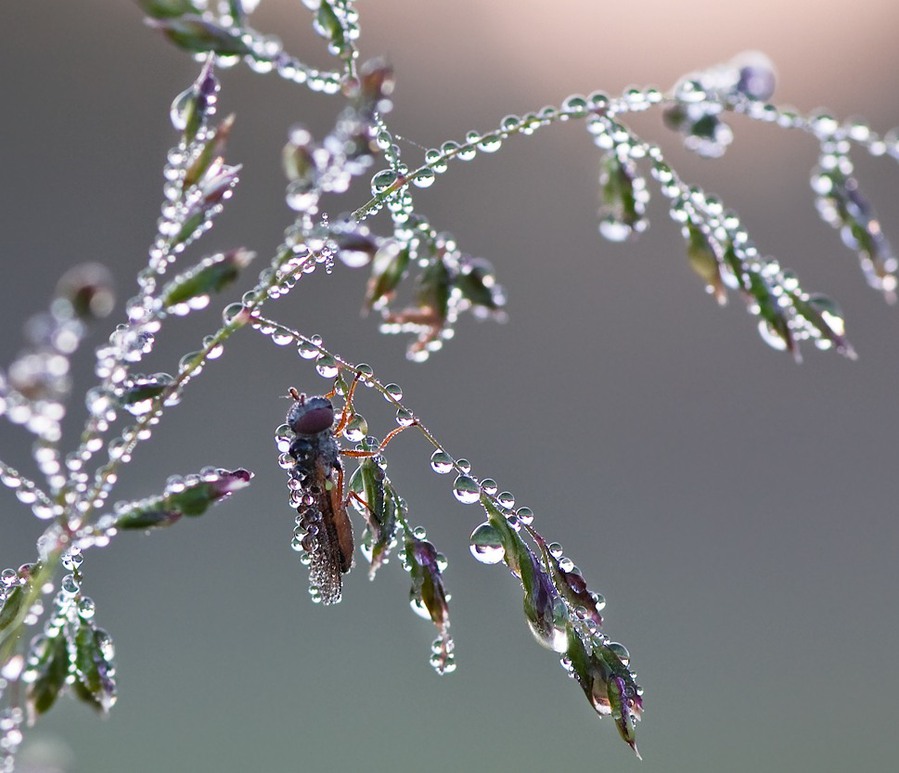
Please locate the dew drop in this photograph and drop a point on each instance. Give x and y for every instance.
(770, 336)
(525, 515)
(382, 181)
(326, 366)
(486, 545)
(506, 499)
(441, 462)
(614, 230)
(180, 109)
(489, 486)
(86, 608)
(393, 392)
(424, 179)
(620, 651)
(356, 428)
(307, 350)
(464, 465)
(405, 417)
(466, 490)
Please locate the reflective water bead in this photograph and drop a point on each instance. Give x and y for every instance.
(486, 544)
(434, 159)
(574, 105)
(424, 179)
(382, 180)
(506, 499)
(771, 336)
(525, 515)
(466, 490)
(86, 608)
(620, 651)
(490, 143)
(441, 462)
(405, 417)
(393, 392)
(510, 123)
(356, 428)
(327, 366)
(489, 486)
(307, 350)
(464, 465)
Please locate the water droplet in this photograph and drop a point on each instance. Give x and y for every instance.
(69, 585)
(489, 487)
(434, 159)
(382, 181)
(506, 499)
(356, 428)
(466, 490)
(393, 392)
(327, 366)
(490, 143)
(86, 608)
(525, 515)
(555, 549)
(441, 462)
(419, 608)
(424, 179)
(464, 465)
(307, 350)
(574, 105)
(486, 545)
(405, 417)
(510, 123)
(621, 651)
(615, 230)
(180, 109)
(770, 336)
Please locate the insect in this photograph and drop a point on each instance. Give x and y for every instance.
(316, 481)
(323, 531)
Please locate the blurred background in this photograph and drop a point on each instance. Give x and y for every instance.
(737, 510)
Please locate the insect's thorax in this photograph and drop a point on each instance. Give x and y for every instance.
(316, 456)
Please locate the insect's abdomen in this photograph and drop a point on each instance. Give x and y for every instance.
(323, 530)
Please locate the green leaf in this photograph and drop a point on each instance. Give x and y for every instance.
(388, 268)
(94, 684)
(52, 668)
(11, 607)
(163, 9)
(198, 35)
(212, 275)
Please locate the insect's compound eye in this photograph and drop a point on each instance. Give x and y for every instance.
(311, 416)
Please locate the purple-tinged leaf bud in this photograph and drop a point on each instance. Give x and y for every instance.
(190, 496)
(429, 599)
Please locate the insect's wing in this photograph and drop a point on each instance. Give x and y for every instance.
(323, 527)
(319, 541)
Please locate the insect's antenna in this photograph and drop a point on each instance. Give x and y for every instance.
(294, 395)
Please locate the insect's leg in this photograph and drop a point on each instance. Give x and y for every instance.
(387, 438)
(348, 410)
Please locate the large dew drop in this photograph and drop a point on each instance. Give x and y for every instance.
(466, 490)
(486, 545)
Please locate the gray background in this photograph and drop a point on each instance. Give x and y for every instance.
(736, 510)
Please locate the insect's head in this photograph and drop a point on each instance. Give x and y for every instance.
(310, 415)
